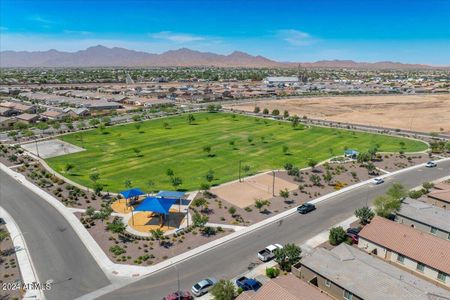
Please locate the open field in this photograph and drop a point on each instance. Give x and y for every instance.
(426, 113)
(179, 146)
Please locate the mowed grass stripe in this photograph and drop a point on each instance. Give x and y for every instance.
(181, 148)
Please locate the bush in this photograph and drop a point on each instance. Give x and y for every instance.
(272, 272)
(337, 235)
(117, 250)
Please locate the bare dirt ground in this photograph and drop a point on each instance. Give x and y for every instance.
(243, 194)
(426, 113)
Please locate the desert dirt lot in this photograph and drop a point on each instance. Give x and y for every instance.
(426, 113)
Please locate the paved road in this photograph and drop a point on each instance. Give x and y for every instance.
(55, 249)
(235, 257)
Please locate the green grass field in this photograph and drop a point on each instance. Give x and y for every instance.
(181, 148)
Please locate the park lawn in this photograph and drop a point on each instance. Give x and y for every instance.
(112, 154)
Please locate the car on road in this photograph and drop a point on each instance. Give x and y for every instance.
(431, 164)
(306, 208)
(248, 284)
(203, 286)
(377, 180)
(179, 295)
(269, 252)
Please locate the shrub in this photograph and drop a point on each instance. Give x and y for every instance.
(117, 250)
(272, 272)
(337, 235)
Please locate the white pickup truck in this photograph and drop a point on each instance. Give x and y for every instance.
(269, 252)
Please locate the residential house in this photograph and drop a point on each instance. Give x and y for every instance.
(286, 287)
(53, 115)
(27, 118)
(347, 273)
(399, 244)
(76, 112)
(20, 107)
(6, 122)
(439, 198)
(425, 217)
(8, 112)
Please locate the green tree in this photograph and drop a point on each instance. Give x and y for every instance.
(265, 111)
(288, 256)
(199, 220)
(127, 184)
(232, 210)
(190, 119)
(94, 122)
(363, 157)
(223, 290)
(275, 112)
(210, 176)
(295, 121)
(176, 182)
(312, 163)
(364, 214)
(170, 172)
(386, 205)
(315, 179)
(137, 126)
(284, 194)
(286, 114)
(207, 149)
(200, 202)
(69, 167)
(371, 168)
(337, 235)
(285, 149)
(94, 176)
(42, 126)
(397, 191)
(257, 110)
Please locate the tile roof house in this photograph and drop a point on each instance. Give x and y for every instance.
(415, 250)
(349, 274)
(425, 217)
(286, 287)
(440, 198)
(53, 115)
(27, 118)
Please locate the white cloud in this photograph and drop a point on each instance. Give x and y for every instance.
(296, 37)
(179, 38)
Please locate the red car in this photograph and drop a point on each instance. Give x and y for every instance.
(180, 295)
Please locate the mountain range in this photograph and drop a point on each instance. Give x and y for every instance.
(100, 56)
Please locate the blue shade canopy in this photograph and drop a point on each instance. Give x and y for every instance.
(171, 194)
(158, 205)
(132, 193)
(351, 152)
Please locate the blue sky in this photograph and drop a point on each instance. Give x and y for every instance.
(363, 30)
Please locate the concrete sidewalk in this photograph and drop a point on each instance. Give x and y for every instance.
(26, 266)
(113, 270)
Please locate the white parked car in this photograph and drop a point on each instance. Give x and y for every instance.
(431, 164)
(377, 180)
(203, 286)
(269, 252)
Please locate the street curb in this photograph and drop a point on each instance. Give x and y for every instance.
(140, 271)
(24, 260)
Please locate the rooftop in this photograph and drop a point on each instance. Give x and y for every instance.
(443, 195)
(426, 214)
(412, 243)
(287, 288)
(375, 278)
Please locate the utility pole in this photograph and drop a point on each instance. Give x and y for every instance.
(273, 183)
(240, 170)
(37, 149)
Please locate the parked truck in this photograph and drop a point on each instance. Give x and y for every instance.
(269, 252)
(248, 284)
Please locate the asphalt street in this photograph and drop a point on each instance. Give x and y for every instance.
(237, 256)
(56, 251)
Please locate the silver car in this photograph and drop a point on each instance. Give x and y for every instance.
(203, 286)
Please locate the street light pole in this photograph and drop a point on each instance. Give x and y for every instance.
(240, 170)
(273, 183)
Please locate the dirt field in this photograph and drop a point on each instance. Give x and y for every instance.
(426, 113)
(256, 187)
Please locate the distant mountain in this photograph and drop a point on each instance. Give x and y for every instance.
(100, 56)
